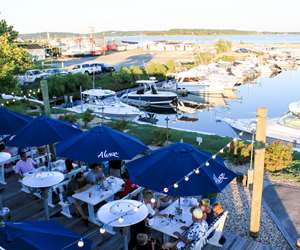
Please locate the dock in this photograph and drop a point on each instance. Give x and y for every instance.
(25, 207)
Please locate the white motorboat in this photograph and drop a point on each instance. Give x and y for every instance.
(148, 95)
(104, 102)
(285, 128)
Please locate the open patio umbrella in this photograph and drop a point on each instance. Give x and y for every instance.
(101, 143)
(41, 131)
(11, 122)
(39, 235)
(169, 165)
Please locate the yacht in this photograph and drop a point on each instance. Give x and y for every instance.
(285, 128)
(104, 102)
(147, 95)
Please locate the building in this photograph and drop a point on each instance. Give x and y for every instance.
(168, 46)
(37, 52)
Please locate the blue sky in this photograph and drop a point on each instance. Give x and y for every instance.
(79, 15)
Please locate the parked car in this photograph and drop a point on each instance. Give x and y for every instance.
(106, 67)
(31, 76)
(55, 71)
(86, 69)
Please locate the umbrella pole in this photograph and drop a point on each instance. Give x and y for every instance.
(49, 157)
(45, 201)
(125, 237)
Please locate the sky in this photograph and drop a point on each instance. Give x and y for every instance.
(29, 16)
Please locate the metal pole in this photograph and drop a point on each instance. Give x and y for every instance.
(45, 94)
(167, 121)
(45, 201)
(258, 174)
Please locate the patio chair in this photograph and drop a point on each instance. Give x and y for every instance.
(217, 229)
(65, 205)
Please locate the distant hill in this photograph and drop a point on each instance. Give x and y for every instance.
(171, 32)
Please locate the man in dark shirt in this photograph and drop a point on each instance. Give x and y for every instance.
(207, 210)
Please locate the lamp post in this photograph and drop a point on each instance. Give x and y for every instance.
(167, 123)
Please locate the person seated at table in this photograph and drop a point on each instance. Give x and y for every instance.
(192, 235)
(69, 166)
(144, 242)
(207, 210)
(127, 187)
(165, 201)
(115, 167)
(151, 203)
(76, 185)
(4, 149)
(24, 165)
(217, 210)
(95, 175)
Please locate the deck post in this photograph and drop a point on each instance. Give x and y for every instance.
(258, 174)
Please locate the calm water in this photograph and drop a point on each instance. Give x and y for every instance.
(274, 93)
(260, 39)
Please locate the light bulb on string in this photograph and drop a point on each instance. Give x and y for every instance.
(235, 139)
(228, 145)
(80, 243)
(197, 171)
(241, 134)
(214, 157)
(222, 151)
(152, 200)
(175, 185)
(207, 163)
(121, 220)
(186, 178)
(166, 190)
(102, 230)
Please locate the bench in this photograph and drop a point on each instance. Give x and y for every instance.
(217, 230)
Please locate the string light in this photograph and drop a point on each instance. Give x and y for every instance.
(186, 178)
(152, 200)
(241, 133)
(175, 185)
(207, 164)
(197, 171)
(222, 151)
(121, 220)
(102, 230)
(80, 243)
(166, 190)
(214, 157)
(228, 145)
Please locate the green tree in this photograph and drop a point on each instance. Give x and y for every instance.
(137, 73)
(87, 117)
(123, 75)
(8, 30)
(13, 60)
(156, 69)
(278, 156)
(203, 58)
(223, 46)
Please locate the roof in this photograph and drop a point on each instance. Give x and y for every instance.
(31, 46)
(98, 92)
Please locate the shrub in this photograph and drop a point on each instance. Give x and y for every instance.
(120, 125)
(227, 58)
(160, 136)
(69, 118)
(171, 66)
(156, 69)
(203, 58)
(87, 117)
(278, 156)
(239, 153)
(223, 46)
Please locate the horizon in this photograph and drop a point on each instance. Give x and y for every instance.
(65, 16)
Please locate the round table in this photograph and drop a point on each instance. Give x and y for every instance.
(4, 157)
(131, 212)
(43, 181)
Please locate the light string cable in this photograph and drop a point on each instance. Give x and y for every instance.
(196, 170)
(31, 94)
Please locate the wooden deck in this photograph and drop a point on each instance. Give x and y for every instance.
(27, 207)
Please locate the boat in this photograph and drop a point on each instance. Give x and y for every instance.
(285, 128)
(105, 103)
(147, 96)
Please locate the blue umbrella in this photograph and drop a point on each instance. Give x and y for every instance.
(41, 131)
(11, 121)
(100, 144)
(39, 235)
(166, 166)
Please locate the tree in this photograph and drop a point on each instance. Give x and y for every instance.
(223, 46)
(278, 156)
(137, 73)
(156, 69)
(87, 117)
(8, 30)
(171, 66)
(13, 60)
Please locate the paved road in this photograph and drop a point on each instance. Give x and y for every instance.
(284, 202)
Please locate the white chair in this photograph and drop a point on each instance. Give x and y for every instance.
(65, 205)
(217, 229)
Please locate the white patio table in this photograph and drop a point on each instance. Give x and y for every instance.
(95, 195)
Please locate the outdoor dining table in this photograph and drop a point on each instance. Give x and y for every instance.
(43, 181)
(4, 157)
(97, 194)
(174, 220)
(131, 212)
